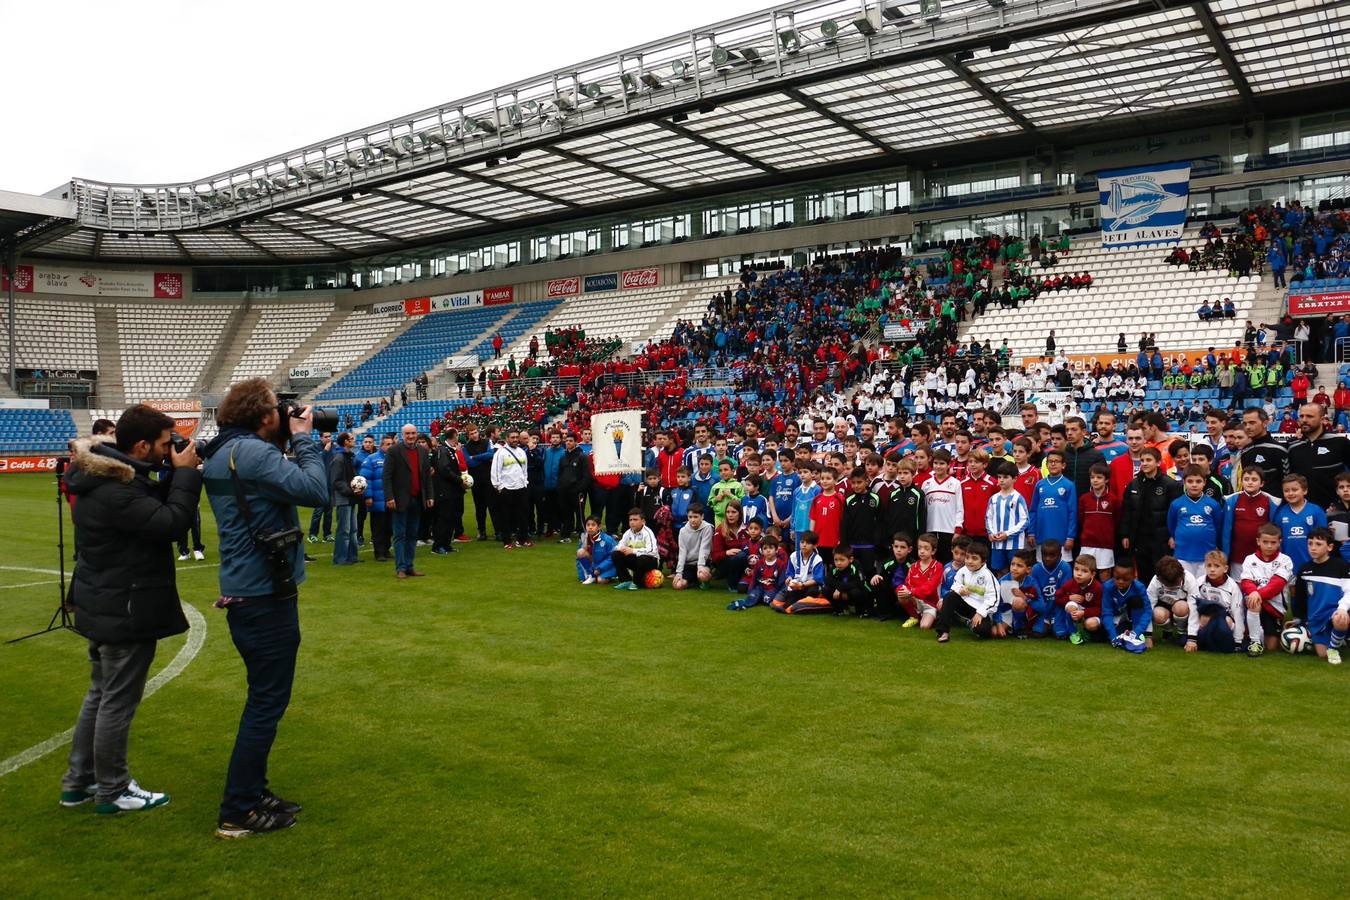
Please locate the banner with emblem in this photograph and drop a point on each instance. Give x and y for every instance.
(1144, 205)
(616, 442)
(43, 279)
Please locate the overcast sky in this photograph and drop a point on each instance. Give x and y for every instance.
(149, 91)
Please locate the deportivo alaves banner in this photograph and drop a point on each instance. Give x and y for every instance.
(1144, 205)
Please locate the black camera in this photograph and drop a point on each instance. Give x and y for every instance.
(323, 419)
(278, 548)
(180, 444)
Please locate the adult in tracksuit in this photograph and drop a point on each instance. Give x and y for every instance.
(535, 475)
(341, 471)
(1079, 455)
(449, 465)
(124, 593)
(261, 609)
(359, 459)
(574, 481)
(1264, 451)
(480, 449)
(373, 471)
(553, 512)
(510, 478)
(1143, 525)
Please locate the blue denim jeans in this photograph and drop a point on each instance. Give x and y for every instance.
(322, 514)
(344, 534)
(406, 524)
(267, 635)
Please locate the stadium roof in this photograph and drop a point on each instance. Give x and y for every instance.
(802, 91)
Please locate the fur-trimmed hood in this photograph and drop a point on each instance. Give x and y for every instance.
(94, 459)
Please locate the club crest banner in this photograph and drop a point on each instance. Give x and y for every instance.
(1144, 205)
(616, 442)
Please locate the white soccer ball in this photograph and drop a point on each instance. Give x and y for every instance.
(1296, 639)
(359, 484)
(467, 479)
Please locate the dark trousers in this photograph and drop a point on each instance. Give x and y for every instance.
(360, 523)
(573, 512)
(632, 567)
(538, 511)
(732, 568)
(954, 608)
(379, 532)
(407, 525)
(552, 512)
(98, 751)
(266, 633)
(194, 531)
(599, 500)
(514, 521)
(482, 502)
(617, 505)
(324, 514)
(449, 517)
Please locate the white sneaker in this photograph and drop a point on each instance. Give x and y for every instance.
(197, 554)
(133, 798)
(183, 557)
(1333, 656)
(588, 580)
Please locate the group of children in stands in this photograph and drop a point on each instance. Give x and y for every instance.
(937, 539)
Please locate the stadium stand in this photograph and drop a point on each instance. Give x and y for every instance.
(51, 334)
(164, 348)
(357, 335)
(276, 335)
(1132, 289)
(627, 315)
(35, 430)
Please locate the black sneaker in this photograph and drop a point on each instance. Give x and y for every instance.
(257, 821)
(271, 803)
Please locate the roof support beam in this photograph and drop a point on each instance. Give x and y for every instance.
(320, 220)
(715, 145)
(273, 223)
(507, 186)
(822, 110)
(187, 254)
(416, 201)
(255, 245)
(98, 243)
(1225, 52)
(989, 94)
(605, 167)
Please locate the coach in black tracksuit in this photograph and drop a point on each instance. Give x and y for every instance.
(1144, 519)
(479, 449)
(1264, 451)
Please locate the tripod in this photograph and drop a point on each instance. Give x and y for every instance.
(61, 619)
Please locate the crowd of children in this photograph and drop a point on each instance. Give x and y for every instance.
(993, 535)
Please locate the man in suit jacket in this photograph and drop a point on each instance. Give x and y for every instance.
(407, 490)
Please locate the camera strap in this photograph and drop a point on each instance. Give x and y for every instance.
(239, 494)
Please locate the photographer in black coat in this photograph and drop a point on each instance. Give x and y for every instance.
(124, 592)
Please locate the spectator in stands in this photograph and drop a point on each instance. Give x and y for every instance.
(497, 344)
(408, 490)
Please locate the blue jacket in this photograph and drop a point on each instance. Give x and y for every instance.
(1195, 526)
(273, 486)
(1054, 509)
(1294, 528)
(602, 552)
(373, 471)
(680, 498)
(552, 458)
(1131, 601)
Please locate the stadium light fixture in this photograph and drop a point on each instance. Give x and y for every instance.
(864, 26)
(895, 15)
(680, 68)
(930, 10)
(652, 81)
(491, 162)
(751, 55)
(723, 58)
(790, 39)
(997, 4)
(679, 117)
(963, 56)
(829, 30)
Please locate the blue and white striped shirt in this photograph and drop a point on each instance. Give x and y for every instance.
(1007, 512)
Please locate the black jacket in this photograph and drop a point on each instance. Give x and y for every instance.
(1273, 459)
(905, 513)
(341, 471)
(1078, 465)
(398, 476)
(448, 478)
(861, 523)
(124, 587)
(1144, 517)
(574, 473)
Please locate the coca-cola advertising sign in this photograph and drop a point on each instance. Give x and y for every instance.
(27, 465)
(562, 287)
(498, 295)
(640, 278)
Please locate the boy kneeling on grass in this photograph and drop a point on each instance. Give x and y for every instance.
(1321, 596)
(595, 554)
(767, 576)
(695, 542)
(805, 580)
(636, 554)
(1078, 602)
(1218, 614)
(973, 595)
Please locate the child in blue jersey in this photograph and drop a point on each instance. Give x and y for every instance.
(782, 490)
(1195, 522)
(960, 543)
(595, 552)
(682, 496)
(1297, 517)
(803, 498)
(1053, 513)
(702, 481)
(1016, 590)
(755, 505)
(1126, 609)
(1322, 595)
(1047, 577)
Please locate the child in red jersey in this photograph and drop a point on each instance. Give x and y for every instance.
(976, 489)
(827, 513)
(918, 596)
(1097, 514)
(1027, 474)
(1078, 602)
(1244, 514)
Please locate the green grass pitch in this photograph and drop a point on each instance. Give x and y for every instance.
(496, 729)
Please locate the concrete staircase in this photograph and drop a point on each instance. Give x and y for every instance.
(234, 341)
(335, 318)
(442, 383)
(1268, 304)
(388, 339)
(112, 392)
(695, 296)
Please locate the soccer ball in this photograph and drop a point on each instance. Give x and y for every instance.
(1296, 639)
(654, 579)
(359, 484)
(467, 479)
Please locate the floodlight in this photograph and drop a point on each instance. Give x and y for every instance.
(651, 81)
(997, 4)
(722, 57)
(930, 10)
(895, 15)
(629, 82)
(963, 55)
(1000, 43)
(864, 26)
(829, 29)
(491, 162)
(680, 68)
(790, 40)
(434, 136)
(751, 55)
(679, 117)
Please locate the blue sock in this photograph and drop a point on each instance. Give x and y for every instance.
(1337, 639)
